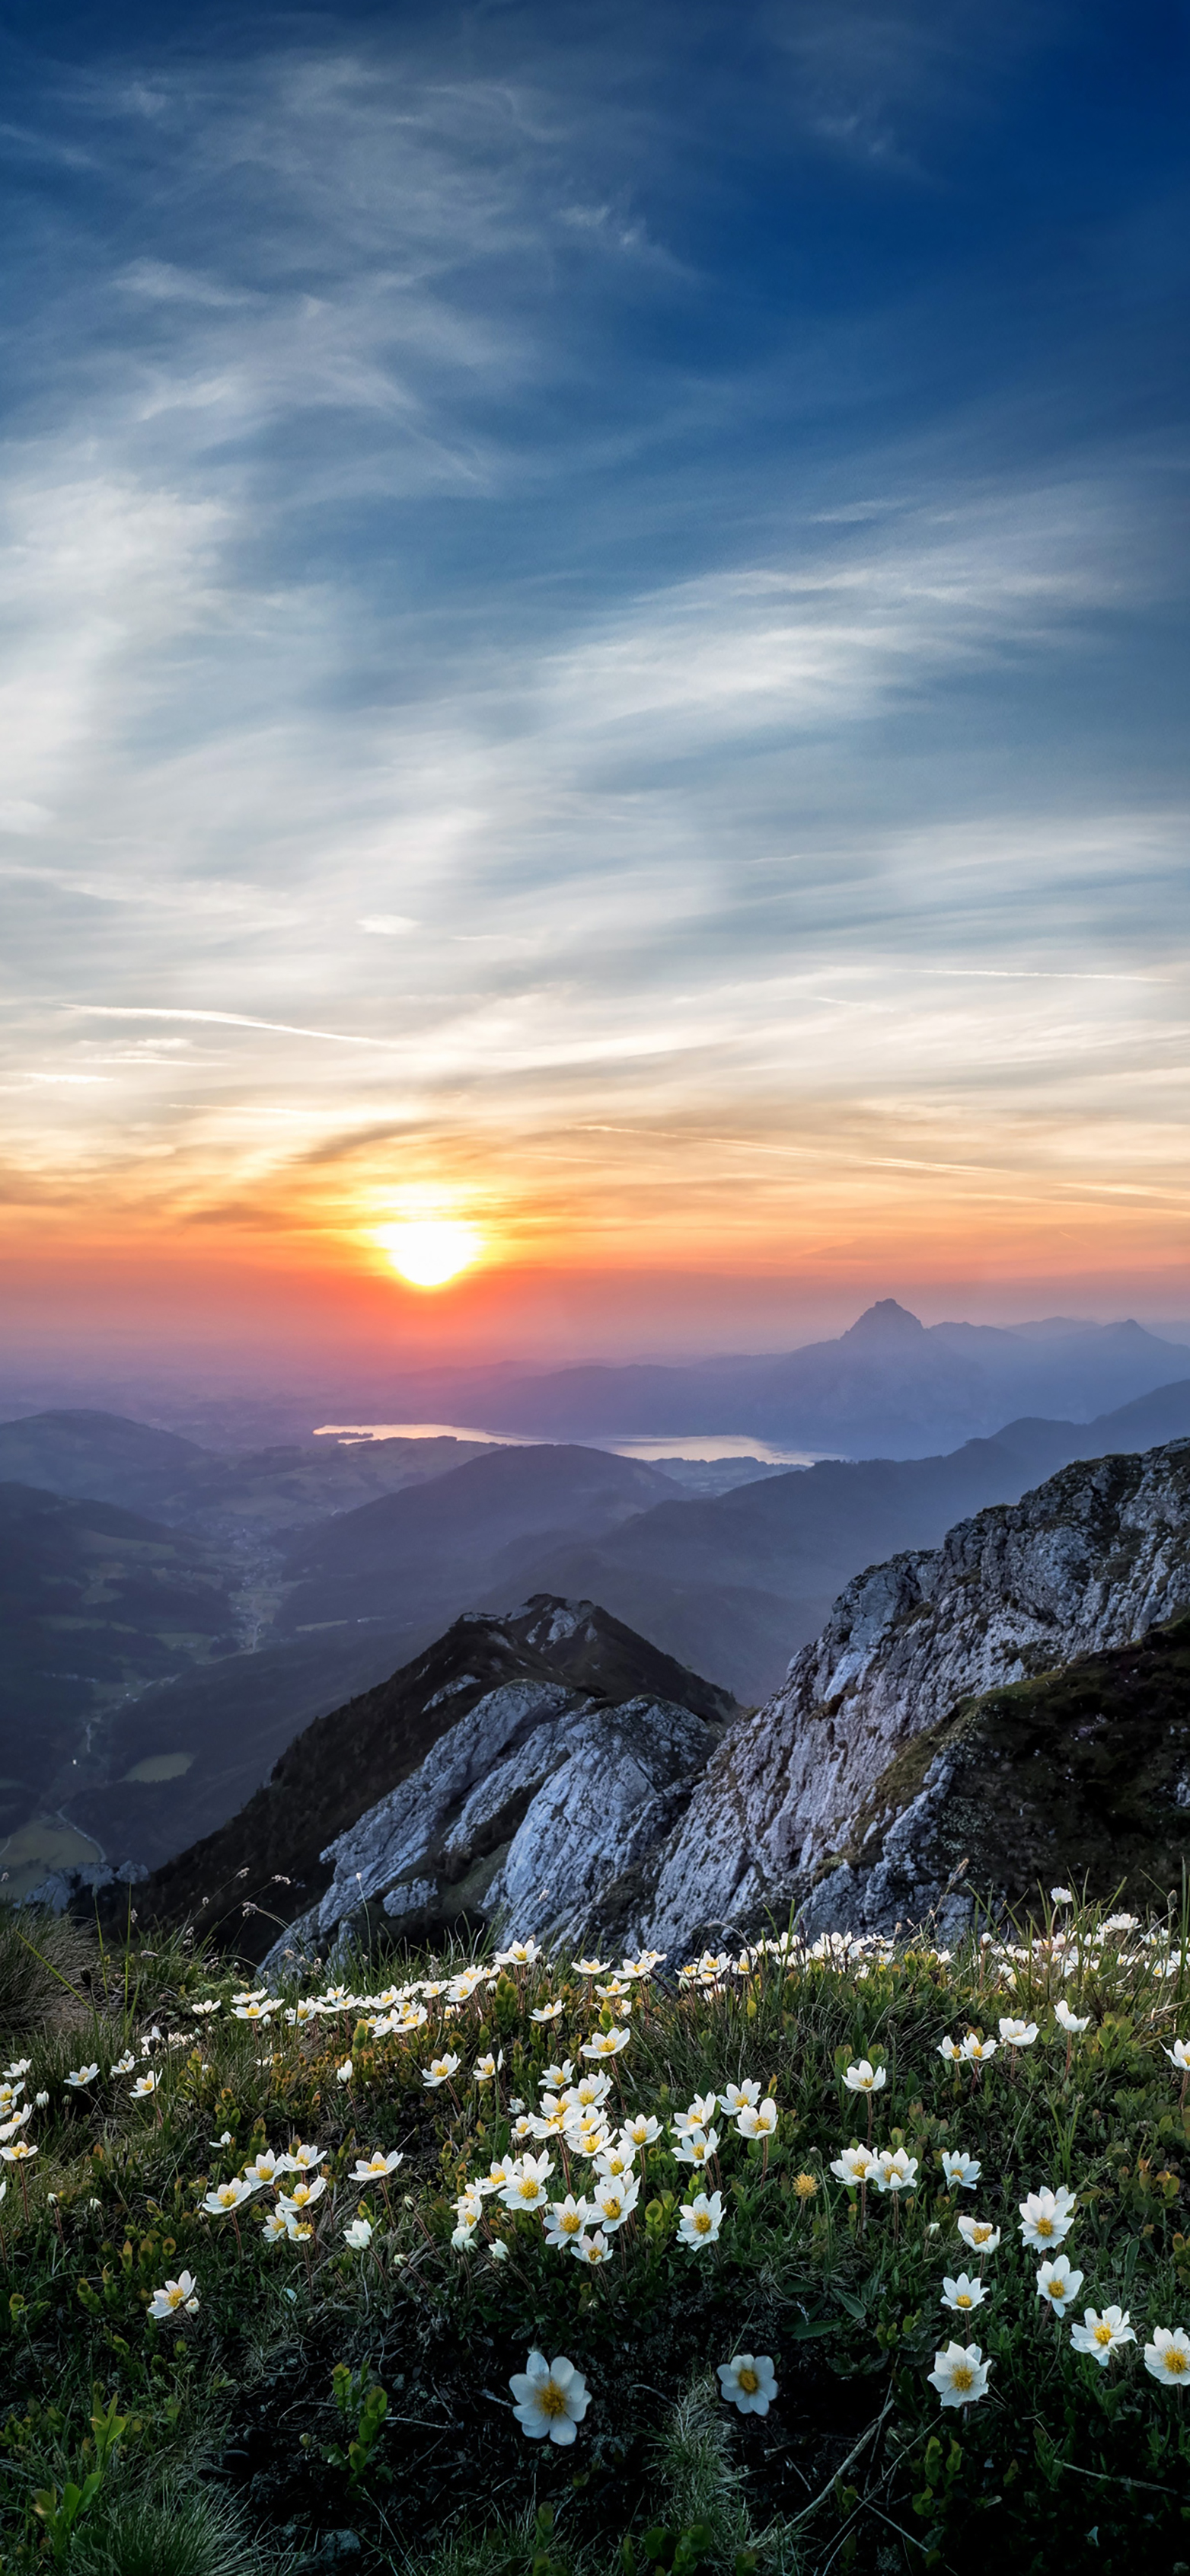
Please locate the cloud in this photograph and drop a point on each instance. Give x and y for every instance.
(733, 677)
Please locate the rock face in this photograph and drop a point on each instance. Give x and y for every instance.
(1089, 1561)
(526, 1811)
(516, 1754)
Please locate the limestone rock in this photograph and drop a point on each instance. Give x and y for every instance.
(1089, 1561)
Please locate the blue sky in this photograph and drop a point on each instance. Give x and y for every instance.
(594, 631)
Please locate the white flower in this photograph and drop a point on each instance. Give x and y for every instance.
(550, 2397)
(378, 2165)
(566, 2219)
(182, 2293)
(977, 2050)
(547, 2012)
(758, 2120)
(1102, 2335)
(498, 2250)
(593, 2250)
(302, 2159)
(700, 2220)
(303, 2195)
(615, 2201)
(265, 2167)
(224, 2139)
(697, 2147)
(1018, 2034)
(605, 2043)
(591, 1967)
(1062, 1895)
(855, 2165)
(614, 2162)
(895, 2171)
(144, 2085)
(40, 2100)
(82, 2074)
(699, 2116)
(525, 2187)
(962, 2293)
(18, 2154)
(1058, 2284)
(344, 2071)
(962, 2172)
(865, 2078)
(1070, 2021)
(487, 2068)
(979, 2234)
(228, 2196)
(552, 2077)
(439, 2071)
(1047, 2217)
(642, 2130)
(1168, 2356)
(589, 2092)
(740, 2097)
(960, 2374)
(298, 2230)
(1178, 2055)
(748, 2381)
(254, 2011)
(359, 2235)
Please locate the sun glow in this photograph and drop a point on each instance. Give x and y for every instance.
(429, 1253)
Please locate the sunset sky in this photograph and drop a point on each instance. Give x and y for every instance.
(593, 647)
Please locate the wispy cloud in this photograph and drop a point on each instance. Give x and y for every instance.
(455, 635)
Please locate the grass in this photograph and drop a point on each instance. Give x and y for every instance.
(333, 2406)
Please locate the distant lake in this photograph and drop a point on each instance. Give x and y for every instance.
(698, 1446)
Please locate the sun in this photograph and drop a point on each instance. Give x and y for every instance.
(428, 1253)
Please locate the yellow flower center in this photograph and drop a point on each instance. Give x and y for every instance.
(1176, 2361)
(964, 2300)
(1103, 2334)
(175, 2297)
(1045, 2226)
(962, 2377)
(550, 2399)
(702, 2222)
(571, 2222)
(749, 2381)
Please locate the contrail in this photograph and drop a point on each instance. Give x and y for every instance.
(223, 1019)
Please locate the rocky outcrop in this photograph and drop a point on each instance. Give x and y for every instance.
(524, 1812)
(430, 1780)
(1089, 1561)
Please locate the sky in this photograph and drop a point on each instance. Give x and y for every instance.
(592, 644)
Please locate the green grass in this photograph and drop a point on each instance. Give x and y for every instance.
(262, 2412)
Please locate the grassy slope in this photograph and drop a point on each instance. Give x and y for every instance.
(1092, 1760)
(243, 2392)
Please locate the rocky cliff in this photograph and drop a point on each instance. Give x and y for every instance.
(1090, 1561)
(554, 1772)
(511, 1766)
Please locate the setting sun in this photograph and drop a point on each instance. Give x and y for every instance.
(428, 1254)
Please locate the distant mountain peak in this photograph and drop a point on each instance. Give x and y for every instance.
(885, 1323)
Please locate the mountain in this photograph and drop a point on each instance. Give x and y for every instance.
(826, 1794)
(95, 1603)
(517, 1773)
(566, 1737)
(889, 1386)
(96, 1457)
(431, 1553)
(732, 1585)
(256, 1494)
